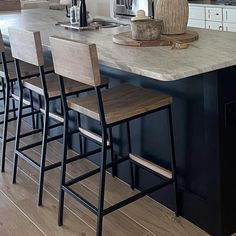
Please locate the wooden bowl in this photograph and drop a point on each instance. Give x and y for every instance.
(148, 29)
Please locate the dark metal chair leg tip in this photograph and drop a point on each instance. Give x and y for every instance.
(60, 222)
(40, 203)
(14, 180)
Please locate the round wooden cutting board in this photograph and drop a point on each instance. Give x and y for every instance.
(126, 39)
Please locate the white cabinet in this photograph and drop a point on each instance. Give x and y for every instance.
(197, 17)
(229, 15)
(215, 17)
(214, 25)
(229, 19)
(197, 23)
(197, 13)
(214, 14)
(229, 27)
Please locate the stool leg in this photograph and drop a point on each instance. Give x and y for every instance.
(43, 153)
(5, 125)
(40, 114)
(113, 157)
(173, 163)
(63, 173)
(18, 130)
(3, 91)
(13, 100)
(102, 183)
(65, 146)
(133, 184)
(32, 108)
(80, 136)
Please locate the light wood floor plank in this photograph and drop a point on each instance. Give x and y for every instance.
(23, 194)
(13, 222)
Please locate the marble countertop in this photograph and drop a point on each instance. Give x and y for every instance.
(214, 49)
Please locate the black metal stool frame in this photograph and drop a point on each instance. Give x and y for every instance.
(100, 211)
(45, 139)
(19, 150)
(8, 89)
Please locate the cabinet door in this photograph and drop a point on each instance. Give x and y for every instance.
(196, 23)
(197, 13)
(229, 15)
(214, 25)
(229, 27)
(214, 14)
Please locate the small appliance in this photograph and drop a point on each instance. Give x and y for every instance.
(128, 8)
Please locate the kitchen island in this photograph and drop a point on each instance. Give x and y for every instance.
(202, 81)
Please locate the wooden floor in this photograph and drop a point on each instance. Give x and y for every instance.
(20, 216)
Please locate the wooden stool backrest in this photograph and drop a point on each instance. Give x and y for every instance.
(75, 60)
(10, 5)
(26, 46)
(2, 48)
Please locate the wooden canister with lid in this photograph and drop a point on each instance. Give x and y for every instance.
(144, 28)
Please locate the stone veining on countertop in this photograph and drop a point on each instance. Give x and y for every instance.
(214, 50)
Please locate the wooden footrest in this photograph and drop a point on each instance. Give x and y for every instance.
(92, 135)
(150, 165)
(53, 116)
(24, 101)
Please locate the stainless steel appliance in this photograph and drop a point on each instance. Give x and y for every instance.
(128, 8)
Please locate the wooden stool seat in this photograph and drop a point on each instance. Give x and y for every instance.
(53, 85)
(121, 103)
(27, 70)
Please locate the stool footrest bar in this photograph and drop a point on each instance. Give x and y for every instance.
(81, 199)
(9, 120)
(150, 165)
(8, 139)
(136, 197)
(29, 114)
(40, 142)
(28, 159)
(38, 131)
(93, 172)
(74, 158)
(10, 110)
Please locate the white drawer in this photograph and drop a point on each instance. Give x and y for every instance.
(229, 27)
(196, 23)
(214, 14)
(229, 15)
(214, 25)
(197, 13)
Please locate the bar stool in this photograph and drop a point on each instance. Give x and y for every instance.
(110, 107)
(8, 80)
(47, 86)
